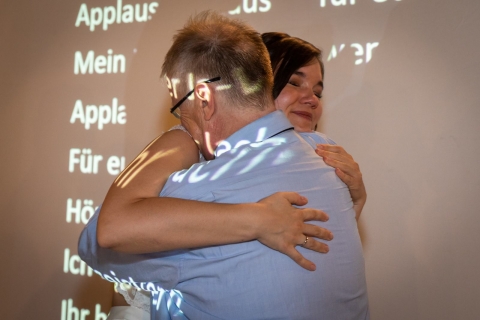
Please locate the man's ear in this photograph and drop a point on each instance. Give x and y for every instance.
(206, 98)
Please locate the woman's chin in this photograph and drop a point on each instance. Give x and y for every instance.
(302, 125)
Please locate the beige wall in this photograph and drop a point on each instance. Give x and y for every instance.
(409, 117)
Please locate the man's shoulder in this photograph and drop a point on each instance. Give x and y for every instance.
(241, 162)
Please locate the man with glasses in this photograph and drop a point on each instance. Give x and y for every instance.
(175, 111)
(233, 120)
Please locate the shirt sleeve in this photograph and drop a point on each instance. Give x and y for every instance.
(147, 271)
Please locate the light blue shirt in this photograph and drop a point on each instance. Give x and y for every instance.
(249, 280)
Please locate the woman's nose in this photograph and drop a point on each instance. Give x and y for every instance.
(309, 97)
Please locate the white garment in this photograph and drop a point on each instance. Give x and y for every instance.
(127, 313)
(135, 297)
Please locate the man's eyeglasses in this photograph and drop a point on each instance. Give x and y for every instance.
(175, 113)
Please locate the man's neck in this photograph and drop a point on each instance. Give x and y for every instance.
(236, 119)
(243, 118)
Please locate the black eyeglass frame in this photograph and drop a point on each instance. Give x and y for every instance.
(172, 110)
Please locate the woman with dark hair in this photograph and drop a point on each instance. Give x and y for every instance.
(298, 86)
(297, 89)
(287, 55)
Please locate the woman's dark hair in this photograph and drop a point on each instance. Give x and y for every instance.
(287, 55)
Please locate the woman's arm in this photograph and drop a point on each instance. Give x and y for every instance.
(134, 219)
(348, 171)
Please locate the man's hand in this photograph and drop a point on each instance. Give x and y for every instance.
(347, 170)
(284, 227)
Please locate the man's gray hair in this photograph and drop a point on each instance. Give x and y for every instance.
(211, 45)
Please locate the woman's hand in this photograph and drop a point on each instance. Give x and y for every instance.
(347, 170)
(283, 226)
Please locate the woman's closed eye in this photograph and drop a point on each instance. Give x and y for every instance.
(294, 83)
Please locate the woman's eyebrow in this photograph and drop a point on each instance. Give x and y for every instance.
(300, 74)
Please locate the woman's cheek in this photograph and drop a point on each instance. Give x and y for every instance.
(284, 99)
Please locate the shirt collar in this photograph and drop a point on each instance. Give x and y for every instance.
(256, 131)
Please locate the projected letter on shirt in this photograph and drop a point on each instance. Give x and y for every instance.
(239, 151)
(109, 15)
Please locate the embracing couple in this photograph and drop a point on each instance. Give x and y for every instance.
(208, 213)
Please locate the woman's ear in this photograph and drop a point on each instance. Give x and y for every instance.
(205, 95)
